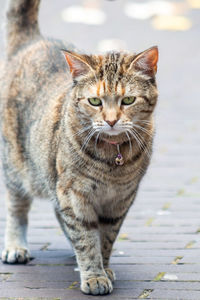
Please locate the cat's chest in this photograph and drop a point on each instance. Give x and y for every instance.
(113, 188)
(104, 196)
(107, 196)
(107, 193)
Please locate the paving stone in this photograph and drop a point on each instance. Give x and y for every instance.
(161, 230)
(66, 293)
(150, 245)
(140, 260)
(158, 285)
(193, 259)
(175, 294)
(169, 238)
(155, 269)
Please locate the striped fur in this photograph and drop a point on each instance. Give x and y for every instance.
(56, 145)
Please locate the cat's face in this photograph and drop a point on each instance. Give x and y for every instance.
(114, 93)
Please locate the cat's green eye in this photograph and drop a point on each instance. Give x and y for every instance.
(95, 101)
(128, 100)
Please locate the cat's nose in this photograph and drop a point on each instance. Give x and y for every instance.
(111, 123)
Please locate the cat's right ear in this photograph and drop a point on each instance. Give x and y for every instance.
(146, 62)
(77, 63)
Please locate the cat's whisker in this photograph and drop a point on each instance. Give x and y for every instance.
(78, 133)
(140, 141)
(130, 144)
(96, 140)
(145, 148)
(145, 122)
(148, 132)
(135, 138)
(88, 138)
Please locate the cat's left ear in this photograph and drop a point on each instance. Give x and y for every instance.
(146, 61)
(77, 63)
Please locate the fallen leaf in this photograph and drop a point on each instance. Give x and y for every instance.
(159, 276)
(123, 236)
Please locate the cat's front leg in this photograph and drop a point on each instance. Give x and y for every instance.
(109, 228)
(85, 238)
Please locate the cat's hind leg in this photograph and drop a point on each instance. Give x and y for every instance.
(16, 250)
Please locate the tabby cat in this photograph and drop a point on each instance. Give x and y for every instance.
(75, 128)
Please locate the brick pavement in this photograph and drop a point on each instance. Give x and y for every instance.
(157, 252)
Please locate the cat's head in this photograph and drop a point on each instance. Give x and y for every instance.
(115, 91)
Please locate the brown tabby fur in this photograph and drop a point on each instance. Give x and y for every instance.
(46, 120)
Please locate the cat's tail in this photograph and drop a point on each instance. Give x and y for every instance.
(22, 23)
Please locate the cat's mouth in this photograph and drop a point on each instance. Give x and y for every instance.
(113, 132)
(120, 138)
(110, 141)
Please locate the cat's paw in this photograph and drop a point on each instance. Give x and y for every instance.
(111, 275)
(15, 255)
(97, 286)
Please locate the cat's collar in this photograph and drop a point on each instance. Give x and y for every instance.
(119, 160)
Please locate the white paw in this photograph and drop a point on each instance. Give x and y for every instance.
(97, 286)
(15, 255)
